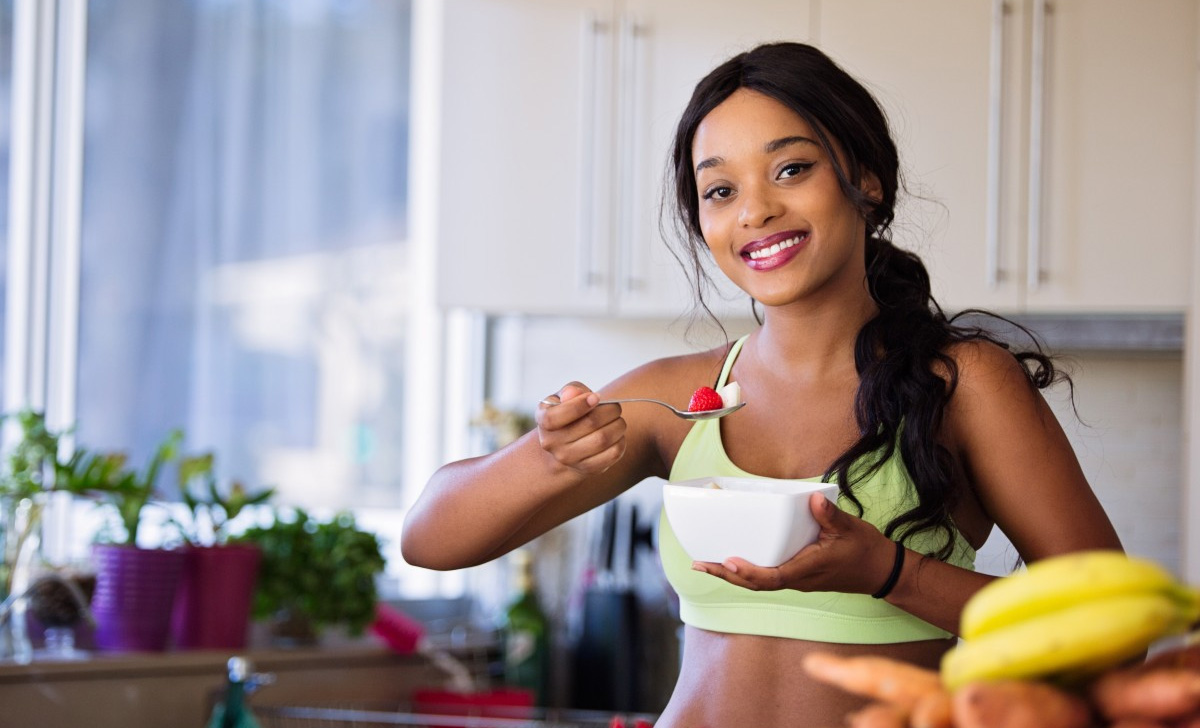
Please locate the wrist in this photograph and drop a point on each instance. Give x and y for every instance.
(896, 566)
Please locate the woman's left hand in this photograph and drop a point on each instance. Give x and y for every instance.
(849, 555)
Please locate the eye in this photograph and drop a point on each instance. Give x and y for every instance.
(793, 169)
(717, 192)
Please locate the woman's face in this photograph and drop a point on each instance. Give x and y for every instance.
(771, 209)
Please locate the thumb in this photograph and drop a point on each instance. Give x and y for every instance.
(827, 515)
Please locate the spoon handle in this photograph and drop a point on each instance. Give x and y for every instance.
(619, 401)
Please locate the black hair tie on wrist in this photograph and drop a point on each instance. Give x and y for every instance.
(893, 577)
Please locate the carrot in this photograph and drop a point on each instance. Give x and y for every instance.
(878, 715)
(897, 683)
(934, 710)
(1136, 723)
(1163, 693)
(1018, 704)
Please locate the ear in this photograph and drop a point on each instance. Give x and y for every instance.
(870, 186)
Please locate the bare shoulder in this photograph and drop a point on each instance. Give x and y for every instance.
(986, 370)
(993, 392)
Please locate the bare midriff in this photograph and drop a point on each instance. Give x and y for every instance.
(748, 680)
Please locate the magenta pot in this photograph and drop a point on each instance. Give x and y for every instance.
(135, 592)
(212, 609)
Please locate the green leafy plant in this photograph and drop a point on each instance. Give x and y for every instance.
(129, 491)
(30, 463)
(32, 466)
(211, 509)
(322, 570)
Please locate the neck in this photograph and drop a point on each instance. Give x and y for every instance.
(816, 338)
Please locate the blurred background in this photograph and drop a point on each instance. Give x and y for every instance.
(340, 242)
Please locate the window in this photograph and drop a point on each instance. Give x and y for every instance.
(243, 238)
(222, 234)
(6, 37)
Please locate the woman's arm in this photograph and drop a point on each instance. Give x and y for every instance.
(580, 456)
(1018, 461)
(1020, 466)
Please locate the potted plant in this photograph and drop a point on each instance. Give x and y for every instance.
(135, 586)
(30, 473)
(315, 574)
(212, 608)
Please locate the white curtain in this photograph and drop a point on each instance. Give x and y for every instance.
(243, 244)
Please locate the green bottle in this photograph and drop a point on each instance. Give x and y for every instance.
(232, 711)
(526, 634)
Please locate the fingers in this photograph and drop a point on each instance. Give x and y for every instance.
(579, 434)
(827, 515)
(740, 572)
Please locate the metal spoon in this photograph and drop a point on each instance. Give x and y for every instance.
(682, 414)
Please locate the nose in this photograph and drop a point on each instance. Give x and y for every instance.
(758, 206)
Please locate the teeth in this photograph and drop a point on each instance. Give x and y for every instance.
(774, 249)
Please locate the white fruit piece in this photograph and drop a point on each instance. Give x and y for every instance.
(731, 394)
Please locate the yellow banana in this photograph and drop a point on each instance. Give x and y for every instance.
(1060, 581)
(1085, 637)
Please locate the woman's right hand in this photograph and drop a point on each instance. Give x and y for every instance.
(580, 434)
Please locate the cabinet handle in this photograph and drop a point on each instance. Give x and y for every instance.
(1037, 121)
(627, 177)
(592, 29)
(995, 133)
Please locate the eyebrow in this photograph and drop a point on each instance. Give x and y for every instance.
(772, 146)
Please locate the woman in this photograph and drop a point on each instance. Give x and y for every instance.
(786, 175)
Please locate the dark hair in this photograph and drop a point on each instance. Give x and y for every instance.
(901, 398)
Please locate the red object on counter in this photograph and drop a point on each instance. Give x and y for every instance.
(499, 703)
(399, 631)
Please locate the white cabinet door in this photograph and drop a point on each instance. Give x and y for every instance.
(555, 122)
(524, 123)
(929, 63)
(671, 45)
(1049, 146)
(1119, 149)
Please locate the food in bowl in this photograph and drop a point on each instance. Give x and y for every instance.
(765, 521)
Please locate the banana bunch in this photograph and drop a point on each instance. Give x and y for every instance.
(1068, 616)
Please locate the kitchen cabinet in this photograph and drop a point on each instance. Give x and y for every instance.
(554, 120)
(1050, 145)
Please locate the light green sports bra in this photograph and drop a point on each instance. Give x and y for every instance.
(714, 604)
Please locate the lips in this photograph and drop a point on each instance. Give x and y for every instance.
(774, 250)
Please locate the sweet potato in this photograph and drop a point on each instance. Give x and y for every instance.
(1136, 723)
(1018, 704)
(892, 681)
(878, 715)
(1186, 657)
(933, 710)
(1162, 693)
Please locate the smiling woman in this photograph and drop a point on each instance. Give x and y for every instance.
(929, 431)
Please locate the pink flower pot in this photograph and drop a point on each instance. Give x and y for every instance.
(212, 609)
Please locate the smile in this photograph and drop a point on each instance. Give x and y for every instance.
(774, 250)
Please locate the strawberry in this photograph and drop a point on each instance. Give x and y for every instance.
(704, 399)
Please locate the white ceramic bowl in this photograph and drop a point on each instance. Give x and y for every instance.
(761, 520)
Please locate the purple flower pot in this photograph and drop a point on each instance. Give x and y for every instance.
(135, 592)
(212, 609)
